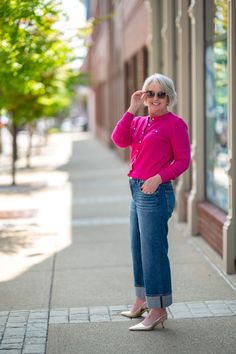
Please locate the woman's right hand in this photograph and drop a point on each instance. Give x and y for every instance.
(137, 100)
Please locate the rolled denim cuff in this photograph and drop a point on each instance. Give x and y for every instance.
(140, 291)
(159, 301)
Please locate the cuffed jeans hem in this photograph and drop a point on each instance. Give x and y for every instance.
(159, 301)
(140, 291)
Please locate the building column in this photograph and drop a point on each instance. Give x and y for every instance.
(183, 90)
(229, 228)
(154, 48)
(197, 84)
(167, 34)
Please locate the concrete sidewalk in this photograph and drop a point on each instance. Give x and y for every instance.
(65, 270)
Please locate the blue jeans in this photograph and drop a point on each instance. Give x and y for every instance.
(149, 214)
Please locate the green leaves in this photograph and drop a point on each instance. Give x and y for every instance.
(34, 71)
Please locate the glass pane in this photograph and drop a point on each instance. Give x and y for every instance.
(216, 111)
(220, 20)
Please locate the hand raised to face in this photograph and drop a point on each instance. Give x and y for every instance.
(137, 100)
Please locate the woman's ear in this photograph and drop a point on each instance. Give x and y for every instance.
(168, 100)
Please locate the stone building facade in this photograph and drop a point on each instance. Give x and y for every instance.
(193, 42)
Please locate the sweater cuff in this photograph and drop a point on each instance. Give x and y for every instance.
(128, 114)
(126, 120)
(164, 177)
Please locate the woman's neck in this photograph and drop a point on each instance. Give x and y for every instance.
(152, 115)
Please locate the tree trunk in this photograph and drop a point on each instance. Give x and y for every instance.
(1, 127)
(14, 152)
(29, 150)
(0, 139)
(45, 143)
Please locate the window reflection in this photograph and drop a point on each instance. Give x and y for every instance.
(216, 103)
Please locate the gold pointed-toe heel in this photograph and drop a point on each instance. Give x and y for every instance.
(141, 327)
(135, 314)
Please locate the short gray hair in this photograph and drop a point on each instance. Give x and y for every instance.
(166, 84)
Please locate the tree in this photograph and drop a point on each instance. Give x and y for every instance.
(34, 70)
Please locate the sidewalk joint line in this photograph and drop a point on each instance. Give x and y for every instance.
(50, 291)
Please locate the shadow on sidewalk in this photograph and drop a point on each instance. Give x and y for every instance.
(87, 260)
(81, 257)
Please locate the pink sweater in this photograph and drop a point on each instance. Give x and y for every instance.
(160, 146)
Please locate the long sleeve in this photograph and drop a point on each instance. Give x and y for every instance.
(122, 134)
(181, 150)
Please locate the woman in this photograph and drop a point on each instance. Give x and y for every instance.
(160, 152)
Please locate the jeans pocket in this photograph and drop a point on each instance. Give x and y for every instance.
(140, 184)
(170, 201)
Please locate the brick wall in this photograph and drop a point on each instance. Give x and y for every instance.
(211, 221)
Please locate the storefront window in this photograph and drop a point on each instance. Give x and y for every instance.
(216, 101)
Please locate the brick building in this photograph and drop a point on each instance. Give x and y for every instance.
(194, 42)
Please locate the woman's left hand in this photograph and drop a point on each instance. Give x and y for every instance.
(151, 184)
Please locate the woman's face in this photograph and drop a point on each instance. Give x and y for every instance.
(157, 106)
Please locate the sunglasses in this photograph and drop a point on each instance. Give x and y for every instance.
(160, 94)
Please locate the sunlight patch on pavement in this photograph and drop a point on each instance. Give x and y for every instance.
(26, 242)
